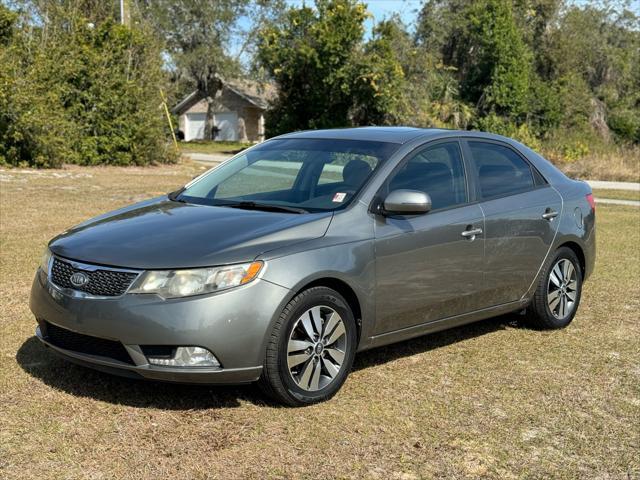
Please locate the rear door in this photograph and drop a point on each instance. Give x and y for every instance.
(429, 266)
(522, 214)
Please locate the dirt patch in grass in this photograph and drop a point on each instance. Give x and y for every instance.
(490, 400)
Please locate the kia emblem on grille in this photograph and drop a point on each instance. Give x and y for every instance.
(79, 279)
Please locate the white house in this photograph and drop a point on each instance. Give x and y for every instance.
(239, 112)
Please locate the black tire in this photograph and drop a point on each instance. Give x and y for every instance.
(276, 379)
(539, 313)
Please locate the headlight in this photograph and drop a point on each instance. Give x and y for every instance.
(45, 260)
(184, 283)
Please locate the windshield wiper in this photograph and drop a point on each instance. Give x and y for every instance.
(173, 196)
(262, 206)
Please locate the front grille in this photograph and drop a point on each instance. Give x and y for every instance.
(77, 342)
(104, 283)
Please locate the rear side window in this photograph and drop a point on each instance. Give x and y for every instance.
(438, 171)
(500, 170)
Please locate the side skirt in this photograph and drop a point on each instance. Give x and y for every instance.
(442, 324)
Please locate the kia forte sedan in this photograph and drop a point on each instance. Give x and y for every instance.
(288, 259)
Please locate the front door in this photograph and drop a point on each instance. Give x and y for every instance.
(522, 214)
(428, 267)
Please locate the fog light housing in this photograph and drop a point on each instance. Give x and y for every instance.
(186, 357)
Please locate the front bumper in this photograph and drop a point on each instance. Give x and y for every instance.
(233, 325)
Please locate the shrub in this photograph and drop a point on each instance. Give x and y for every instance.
(89, 95)
(501, 126)
(625, 123)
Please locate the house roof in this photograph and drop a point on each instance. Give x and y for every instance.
(259, 94)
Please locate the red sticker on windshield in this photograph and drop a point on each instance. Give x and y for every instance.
(339, 197)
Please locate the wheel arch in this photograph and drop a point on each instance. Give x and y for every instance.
(344, 289)
(577, 249)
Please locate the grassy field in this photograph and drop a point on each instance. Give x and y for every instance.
(617, 194)
(615, 163)
(490, 400)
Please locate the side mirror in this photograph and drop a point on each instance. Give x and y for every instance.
(406, 202)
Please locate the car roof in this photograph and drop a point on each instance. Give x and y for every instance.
(374, 134)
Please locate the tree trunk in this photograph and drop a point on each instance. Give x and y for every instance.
(125, 13)
(211, 88)
(208, 123)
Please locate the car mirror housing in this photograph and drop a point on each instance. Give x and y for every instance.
(406, 202)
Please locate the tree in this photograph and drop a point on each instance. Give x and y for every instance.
(598, 50)
(199, 36)
(494, 65)
(80, 89)
(379, 87)
(429, 94)
(326, 76)
(483, 46)
(7, 21)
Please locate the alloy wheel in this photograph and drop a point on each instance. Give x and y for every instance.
(562, 289)
(316, 348)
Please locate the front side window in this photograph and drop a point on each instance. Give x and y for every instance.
(438, 171)
(500, 170)
(305, 174)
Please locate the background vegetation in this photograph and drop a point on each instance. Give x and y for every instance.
(543, 71)
(78, 87)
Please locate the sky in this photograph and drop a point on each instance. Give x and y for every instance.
(408, 9)
(408, 12)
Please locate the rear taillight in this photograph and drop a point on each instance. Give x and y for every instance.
(592, 201)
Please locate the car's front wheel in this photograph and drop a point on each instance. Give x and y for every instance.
(557, 296)
(311, 348)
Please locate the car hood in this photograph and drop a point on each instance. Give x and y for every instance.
(162, 234)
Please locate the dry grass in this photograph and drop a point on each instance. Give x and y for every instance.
(490, 400)
(622, 164)
(617, 194)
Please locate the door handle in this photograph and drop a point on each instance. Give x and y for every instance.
(549, 214)
(471, 234)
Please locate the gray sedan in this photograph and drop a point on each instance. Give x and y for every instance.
(283, 262)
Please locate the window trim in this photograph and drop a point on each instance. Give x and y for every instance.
(476, 178)
(376, 204)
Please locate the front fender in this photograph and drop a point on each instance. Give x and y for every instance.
(351, 263)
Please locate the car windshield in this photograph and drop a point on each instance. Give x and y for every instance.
(291, 175)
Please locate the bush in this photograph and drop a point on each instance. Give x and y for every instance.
(89, 96)
(625, 123)
(502, 126)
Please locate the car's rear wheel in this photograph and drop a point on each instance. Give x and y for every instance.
(557, 296)
(311, 348)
